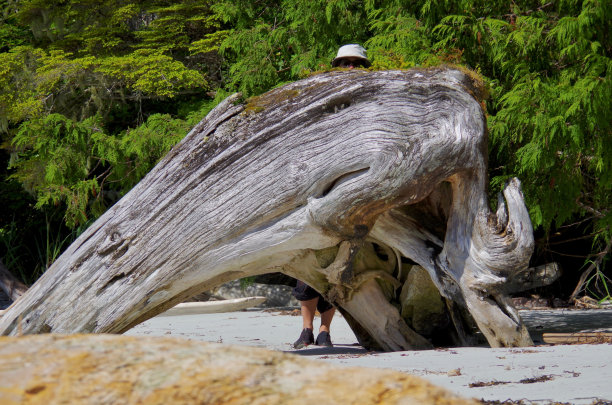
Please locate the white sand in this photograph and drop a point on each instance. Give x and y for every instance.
(576, 374)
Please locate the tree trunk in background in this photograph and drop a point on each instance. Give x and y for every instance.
(334, 180)
(12, 287)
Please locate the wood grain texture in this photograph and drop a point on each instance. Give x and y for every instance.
(346, 160)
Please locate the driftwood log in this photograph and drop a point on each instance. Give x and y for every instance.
(339, 180)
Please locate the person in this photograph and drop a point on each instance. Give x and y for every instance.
(351, 56)
(310, 301)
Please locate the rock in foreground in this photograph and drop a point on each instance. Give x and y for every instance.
(114, 369)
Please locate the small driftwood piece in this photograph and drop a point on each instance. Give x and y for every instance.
(534, 277)
(215, 307)
(334, 180)
(577, 338)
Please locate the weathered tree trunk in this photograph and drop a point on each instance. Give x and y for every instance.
(332, 180)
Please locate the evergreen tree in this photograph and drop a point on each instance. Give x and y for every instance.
(94, 93)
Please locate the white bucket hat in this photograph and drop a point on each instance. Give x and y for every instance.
(351, 51)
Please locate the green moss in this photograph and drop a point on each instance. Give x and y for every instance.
(325, 257)
(311, 73)
(253, 108)
(477, 85)
(258, 104)
(474, 84)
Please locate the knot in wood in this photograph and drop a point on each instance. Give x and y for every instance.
(111, 244)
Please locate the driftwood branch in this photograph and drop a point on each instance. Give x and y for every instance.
(11, 286)
(534, 277)
(585, 274)
(335, 180)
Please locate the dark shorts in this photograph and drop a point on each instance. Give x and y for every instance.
(303, 292)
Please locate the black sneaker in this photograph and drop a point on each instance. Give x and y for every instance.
(324, 339)
(306, 338)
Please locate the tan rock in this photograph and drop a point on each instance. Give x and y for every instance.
(422, 305)
(114, 369)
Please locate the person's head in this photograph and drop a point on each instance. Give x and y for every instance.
(351, 56)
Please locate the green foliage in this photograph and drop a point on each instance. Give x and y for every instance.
(276, 42)
(246, 282)
(93, 94)
(25, 233)
(79, 96)
(598, 285)
(76, 163)
(551, 123)
(9, 245)
(149, 73)
(52, 244)
(39, 82)
(11, 33)
(178, 25)
(142, 147)
(57, 165)
(548, 66)
(399, 40)
(18, 98)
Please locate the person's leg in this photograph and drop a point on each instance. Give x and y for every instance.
(308, 305)
(326, 319)
(327, 312)
(308, 309)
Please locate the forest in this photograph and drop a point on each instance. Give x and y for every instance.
(94, 93)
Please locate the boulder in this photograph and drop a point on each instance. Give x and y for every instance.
(276, 295)
(422, 305)
(114, 369)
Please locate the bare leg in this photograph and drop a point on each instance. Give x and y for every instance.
(308, 309)
(326, 318)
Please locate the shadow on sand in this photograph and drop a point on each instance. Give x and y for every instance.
(351, 349)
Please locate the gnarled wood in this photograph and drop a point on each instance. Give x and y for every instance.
(332, 180)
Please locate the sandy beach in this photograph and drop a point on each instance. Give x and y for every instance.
(543, 374)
